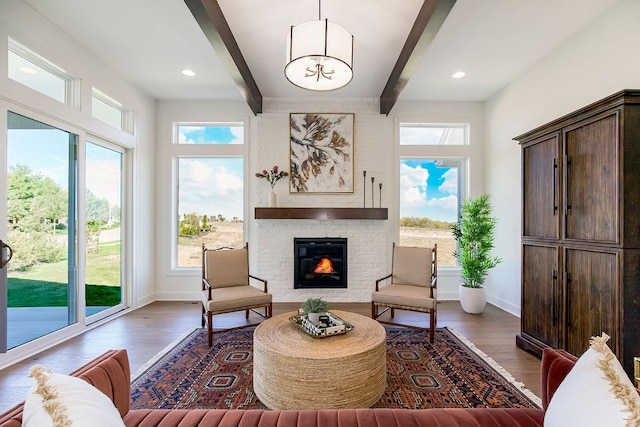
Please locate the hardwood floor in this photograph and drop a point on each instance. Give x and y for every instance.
(146, 331)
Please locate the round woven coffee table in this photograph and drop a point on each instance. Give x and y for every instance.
(292, 370)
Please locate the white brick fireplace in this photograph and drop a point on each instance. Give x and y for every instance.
(367, 256)
(369, 242)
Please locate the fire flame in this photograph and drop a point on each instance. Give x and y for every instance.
(324, 266)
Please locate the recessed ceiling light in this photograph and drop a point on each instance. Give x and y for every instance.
(188, 73)
(458, 74)
(28, 70)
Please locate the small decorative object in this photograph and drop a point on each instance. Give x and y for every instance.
(372, 178)
(380, 201)
(474, 233)
(313, 308)
(273, 176)
(329, 325)
(364, 187)
(321, 150)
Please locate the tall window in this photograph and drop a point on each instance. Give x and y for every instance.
(209, 178)
(431, 185)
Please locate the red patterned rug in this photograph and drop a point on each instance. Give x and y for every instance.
(451, 373)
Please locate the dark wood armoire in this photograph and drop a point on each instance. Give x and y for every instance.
(581, 229)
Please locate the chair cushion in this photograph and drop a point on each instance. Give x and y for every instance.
(404, 295)
(412, 266)
(228, 267)
(238, 297)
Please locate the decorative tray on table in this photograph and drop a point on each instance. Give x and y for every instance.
(328, 325)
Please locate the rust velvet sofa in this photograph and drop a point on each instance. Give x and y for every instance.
(110, 373)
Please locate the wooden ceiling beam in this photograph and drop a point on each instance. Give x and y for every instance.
(215, 27)
(427, 24)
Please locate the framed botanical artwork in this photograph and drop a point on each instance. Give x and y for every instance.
(321, 153)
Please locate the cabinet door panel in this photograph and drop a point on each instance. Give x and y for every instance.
(591, 289)
(540, 167)
(540, 290)
(591, 180)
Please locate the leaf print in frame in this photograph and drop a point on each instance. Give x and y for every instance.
(321, 152)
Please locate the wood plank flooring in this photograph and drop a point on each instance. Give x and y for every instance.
(146, 331)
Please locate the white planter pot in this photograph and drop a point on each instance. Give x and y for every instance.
(314, 317)
(473, 300)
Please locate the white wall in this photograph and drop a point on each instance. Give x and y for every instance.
(268, 139)
(29, 28)
(183, 284)
(598, 61)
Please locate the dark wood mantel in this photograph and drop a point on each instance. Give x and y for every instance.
(322, 213)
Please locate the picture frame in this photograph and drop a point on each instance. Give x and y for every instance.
(321, 150)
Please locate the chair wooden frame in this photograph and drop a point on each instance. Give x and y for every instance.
(207, 316)
(432, 289)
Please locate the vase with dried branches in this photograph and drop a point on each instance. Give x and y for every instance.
(272, 176)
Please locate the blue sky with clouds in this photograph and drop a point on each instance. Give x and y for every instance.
(211, 186)
(428, 190)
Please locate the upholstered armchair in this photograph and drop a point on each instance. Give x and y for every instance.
(227, 287)
(411, 285)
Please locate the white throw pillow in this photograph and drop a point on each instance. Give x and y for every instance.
(596, 392)
(61, 400)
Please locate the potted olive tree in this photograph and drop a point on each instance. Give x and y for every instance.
(474, 233)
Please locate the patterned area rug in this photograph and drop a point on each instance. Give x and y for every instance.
(451, 372)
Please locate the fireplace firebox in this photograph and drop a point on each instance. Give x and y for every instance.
(320, 263)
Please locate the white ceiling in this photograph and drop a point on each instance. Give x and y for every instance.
(149, 42)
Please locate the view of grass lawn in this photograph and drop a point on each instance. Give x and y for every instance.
(28, 289)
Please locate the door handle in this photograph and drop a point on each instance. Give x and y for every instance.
(4, 262)
(555, 187)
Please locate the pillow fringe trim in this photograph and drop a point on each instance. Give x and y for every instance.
(56, 409)
(622, 391)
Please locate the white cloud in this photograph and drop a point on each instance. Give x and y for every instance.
(444, 208)
(238, 134)
(413, 177)
(413, 198)
(182, 133)
(104, 180)
(450, 184)
(413, 186)
(210, 187)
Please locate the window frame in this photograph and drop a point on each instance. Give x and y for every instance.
(460, 153)
(72, 89)
(464, 126)
(179, 151)
(126, 114)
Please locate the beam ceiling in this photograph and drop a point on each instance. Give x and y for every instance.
(215, 27)
(427, 24)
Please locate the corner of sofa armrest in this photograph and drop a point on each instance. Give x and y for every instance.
(110, 373)
(554, 367)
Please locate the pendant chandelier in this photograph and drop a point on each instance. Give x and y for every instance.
(319, 55)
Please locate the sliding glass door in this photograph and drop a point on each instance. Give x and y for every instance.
(60, 274)
(103, 228)
(41, 229)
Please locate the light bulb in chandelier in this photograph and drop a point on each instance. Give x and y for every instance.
(320, 67)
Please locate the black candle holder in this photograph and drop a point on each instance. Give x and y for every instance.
(364, 186)
(372, 179)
